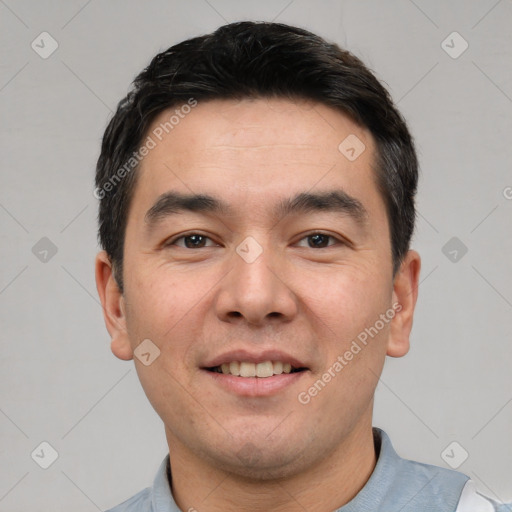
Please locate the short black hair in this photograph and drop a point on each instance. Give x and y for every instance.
(255, 60)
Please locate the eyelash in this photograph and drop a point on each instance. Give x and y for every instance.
(187, 235)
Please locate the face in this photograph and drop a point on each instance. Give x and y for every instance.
(287, 263)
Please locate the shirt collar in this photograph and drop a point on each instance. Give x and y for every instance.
(406, 485)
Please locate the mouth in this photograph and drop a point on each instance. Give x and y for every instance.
(263, 370)
(246, 373)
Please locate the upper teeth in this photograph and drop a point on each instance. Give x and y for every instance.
(265, 369)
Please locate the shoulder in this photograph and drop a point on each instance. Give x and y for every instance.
(429, 487)
(141, 502)
(428, 484)
(414, 485)
(151, 499)
(433, 477)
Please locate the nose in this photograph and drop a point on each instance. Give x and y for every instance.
(255, 290)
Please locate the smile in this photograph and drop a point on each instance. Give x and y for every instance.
(262, 370)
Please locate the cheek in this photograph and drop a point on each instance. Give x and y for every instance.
(347, 299)
(164, 389)
(162, 310)
(159, 310)
(349, 304)
(159, 299)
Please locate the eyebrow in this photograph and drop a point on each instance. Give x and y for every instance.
(337, 201)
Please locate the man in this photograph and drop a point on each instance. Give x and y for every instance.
(256, 195)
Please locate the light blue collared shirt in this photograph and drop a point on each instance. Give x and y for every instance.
(396, 484)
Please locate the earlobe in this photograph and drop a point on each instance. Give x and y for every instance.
(112, 302)
(405, 294)
(121, 348)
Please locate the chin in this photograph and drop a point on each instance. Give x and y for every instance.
(261, 459)
(255, 465)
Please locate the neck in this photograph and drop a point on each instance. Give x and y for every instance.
(327, 485)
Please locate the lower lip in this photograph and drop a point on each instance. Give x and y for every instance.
(255, 386)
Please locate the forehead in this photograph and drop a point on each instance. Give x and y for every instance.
(277, 127)
(255, 151)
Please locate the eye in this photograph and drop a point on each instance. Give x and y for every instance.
(191, 241)
(320, 240)
(315, 240)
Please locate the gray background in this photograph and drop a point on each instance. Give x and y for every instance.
(59, 381)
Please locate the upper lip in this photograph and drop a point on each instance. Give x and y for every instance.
(254, 357)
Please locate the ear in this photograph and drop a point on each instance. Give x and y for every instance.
(405, 294)
(113, 304)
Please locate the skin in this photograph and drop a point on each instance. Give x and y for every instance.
(273, 453)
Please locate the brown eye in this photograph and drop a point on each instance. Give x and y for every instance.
(191, 241)
(320, 240)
